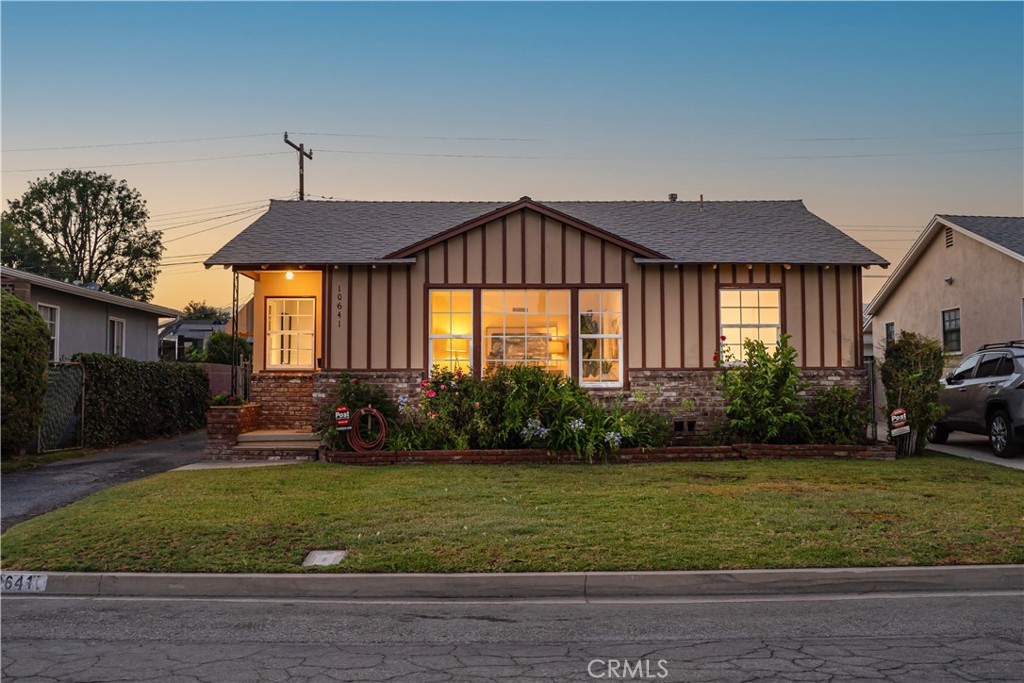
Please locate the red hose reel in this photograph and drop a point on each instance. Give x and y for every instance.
(345, 420)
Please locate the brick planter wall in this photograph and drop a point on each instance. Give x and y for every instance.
(225, 423)
(287, 399)
(627, 455)
(395, 382)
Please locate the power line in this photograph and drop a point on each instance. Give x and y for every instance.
(144, 163)
(144, 142)
(423, 137)
(204, 209)
(896, 154)
(912, 137)
(181, 226)
(213, 227)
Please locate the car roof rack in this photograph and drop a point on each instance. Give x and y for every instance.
(1003, 345)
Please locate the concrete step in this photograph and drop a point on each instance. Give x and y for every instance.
(278, 445)
(279, 436)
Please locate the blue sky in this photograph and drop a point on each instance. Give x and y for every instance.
(876, 114)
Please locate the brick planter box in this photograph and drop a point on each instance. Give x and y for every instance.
(225, 423)
(626, 455)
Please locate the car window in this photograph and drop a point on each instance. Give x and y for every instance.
(965, 369)
(992, 365)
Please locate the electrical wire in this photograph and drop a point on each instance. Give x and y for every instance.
(144, 142)
(145, 163)
(214, 227)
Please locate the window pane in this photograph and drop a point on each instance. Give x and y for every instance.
(591, 371)
(769, 298)
(440, 301)
(611, 300)
(462, 323)
(515, 348)
(610, 371)
(730, 297)
(590, 323)
(441, 323)
(612, 323)
(730, 316)
(748, 298)
(515, 300)
(558, 301)
(590, 300)
(462, 301)
(610, 349)
(770, 316)
(589, 348)
(492, 300)
(770, 336)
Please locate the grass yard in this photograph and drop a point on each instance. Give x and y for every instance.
(458, 518)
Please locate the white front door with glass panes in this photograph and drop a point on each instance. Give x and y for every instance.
(291, 330)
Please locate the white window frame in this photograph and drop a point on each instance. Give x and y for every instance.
(722, 326)
(111, 336)
(431, 336)
(620, 336)
(267, 334)
(55, 332)
(960, 330)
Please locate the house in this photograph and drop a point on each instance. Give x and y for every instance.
(84, 319)
(962, 282)
(623, 296)
(180, 336)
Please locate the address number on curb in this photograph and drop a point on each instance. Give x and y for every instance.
(16, 582)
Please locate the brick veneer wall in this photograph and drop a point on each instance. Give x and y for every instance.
(225, 423)
(286, 399)
(395, 382)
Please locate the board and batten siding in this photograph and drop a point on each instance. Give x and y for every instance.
(378, 314)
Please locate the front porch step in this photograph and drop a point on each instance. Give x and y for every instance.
(279, 436)
(278, 445)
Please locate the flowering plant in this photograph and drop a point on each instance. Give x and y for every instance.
(227, 399)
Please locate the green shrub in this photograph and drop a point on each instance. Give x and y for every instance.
(127, 399)
(837, 417)
(218, 349)
(911, 372)
(24, 348)
(354, 394)
(762, 395)
(227, 400)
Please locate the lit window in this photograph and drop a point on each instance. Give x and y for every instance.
(451, 329)
(601, 337)
(115, 336)
(749, 314)
(526, 327)
(51, 315)
(291, 328)
(951, 330)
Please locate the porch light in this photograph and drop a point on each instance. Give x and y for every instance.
(289, 275)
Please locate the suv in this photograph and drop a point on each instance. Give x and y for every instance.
(985, 395)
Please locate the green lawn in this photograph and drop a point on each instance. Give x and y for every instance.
(457, 518)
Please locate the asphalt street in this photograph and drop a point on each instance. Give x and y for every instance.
(879, 637)
(27, 494)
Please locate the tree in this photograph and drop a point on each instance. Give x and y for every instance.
(911, 372)
(218, 349)
(23, 352)
(200, 310)
(82, 225)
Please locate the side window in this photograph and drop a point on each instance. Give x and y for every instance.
(995, 365)
(965, 369)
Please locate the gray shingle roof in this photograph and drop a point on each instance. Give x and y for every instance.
(729, 231)
(1007, 232)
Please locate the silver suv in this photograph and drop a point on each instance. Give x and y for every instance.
(985, 395)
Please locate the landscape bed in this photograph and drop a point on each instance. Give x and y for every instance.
(930, 510)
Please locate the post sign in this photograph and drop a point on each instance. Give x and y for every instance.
(898, 424)
(343, 418)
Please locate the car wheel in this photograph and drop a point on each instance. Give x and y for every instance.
(937, 434)
(1000, 435)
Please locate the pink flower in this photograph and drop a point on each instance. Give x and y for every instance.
(476, 404)
(443, 387)
(456, 393)
(424, 383)
(458, 372)
(431, 393)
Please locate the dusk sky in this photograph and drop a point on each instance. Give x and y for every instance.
(877, 115)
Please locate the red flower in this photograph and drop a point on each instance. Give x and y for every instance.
(723, 337)
(431, 393)
(355, 381)
(476, 404)
(424, 383)
(714, 358)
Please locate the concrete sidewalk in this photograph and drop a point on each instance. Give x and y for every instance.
(579, 585)
(974, 447)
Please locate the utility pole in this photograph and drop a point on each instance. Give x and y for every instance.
(303, 154)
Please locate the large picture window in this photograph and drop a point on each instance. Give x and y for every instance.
(51, 316)
(526, 326)
(451, 329)
(291, 329)
(748, 314)
(601, 337)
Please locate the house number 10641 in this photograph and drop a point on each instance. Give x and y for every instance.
(339, 305)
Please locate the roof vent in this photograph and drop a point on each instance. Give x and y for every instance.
(949, 237)
(673, 197)
(94, 286)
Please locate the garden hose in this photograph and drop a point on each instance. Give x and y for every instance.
(356, 440)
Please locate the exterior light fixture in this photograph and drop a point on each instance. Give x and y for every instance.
(949, 279)
(289, 275)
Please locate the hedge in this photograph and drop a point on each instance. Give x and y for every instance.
(23, 353)
(128, 399)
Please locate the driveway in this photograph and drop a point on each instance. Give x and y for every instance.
(974, 447)
(28, 494)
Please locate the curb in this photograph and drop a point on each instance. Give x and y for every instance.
(581, 585)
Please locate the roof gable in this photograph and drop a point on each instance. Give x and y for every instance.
(1004, 234)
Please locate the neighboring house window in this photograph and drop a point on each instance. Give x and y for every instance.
(890, 333)
(601, 337)
(951, 330)
(526, 326)
(115, 336)
(749, 314)
(291, 329)
(451, 329)
(51, 315)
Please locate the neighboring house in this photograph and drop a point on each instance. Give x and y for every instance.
(178, 337)
(962, 282)
(621, 296)
(84, 319)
